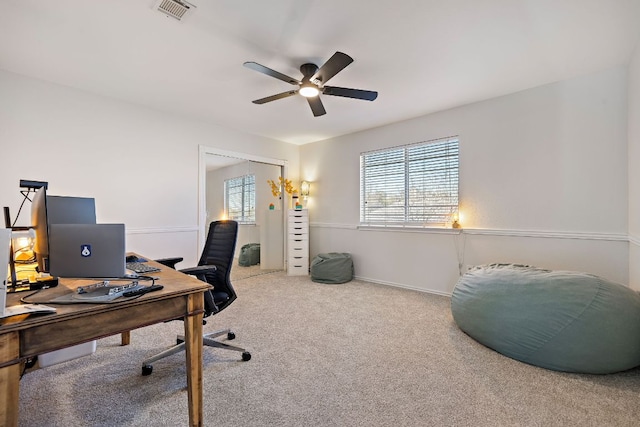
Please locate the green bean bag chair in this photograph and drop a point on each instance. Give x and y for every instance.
(249, 255)
(332, 268)
(560, 320)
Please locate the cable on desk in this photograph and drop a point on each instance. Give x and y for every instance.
(23, 299)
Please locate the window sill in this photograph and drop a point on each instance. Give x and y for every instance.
(410, 229)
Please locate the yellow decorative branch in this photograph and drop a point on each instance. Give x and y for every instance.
(276, 187)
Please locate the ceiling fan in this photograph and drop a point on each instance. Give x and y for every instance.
(313, 83)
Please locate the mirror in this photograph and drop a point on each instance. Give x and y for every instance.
(237, 188)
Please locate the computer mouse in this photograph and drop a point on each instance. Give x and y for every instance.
(131, 258)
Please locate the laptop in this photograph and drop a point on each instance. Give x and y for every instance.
(87, 250)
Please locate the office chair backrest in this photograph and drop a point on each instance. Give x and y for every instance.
(219, 250)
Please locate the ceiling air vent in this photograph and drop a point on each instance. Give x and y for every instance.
(174, 8)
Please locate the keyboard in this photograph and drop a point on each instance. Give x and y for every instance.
(141, 268)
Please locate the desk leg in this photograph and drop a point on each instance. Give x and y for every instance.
(9, 379)
(125, 338)
(193, 347)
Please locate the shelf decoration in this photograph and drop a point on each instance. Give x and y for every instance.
(275, 188)
(283, 184)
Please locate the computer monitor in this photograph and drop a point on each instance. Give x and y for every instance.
(47, 210)
(71, 210)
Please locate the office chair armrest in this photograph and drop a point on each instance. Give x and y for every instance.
(201, 269)
(170, 262)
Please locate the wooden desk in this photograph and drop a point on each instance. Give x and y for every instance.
(26, 336)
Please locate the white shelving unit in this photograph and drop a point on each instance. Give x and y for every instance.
(298, 242)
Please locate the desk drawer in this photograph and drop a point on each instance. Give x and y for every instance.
(298, 271)
(297, 228)
(299, 251)
(51, 336)
(301, 259)
(298, 267)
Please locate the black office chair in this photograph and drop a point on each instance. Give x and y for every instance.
(214, 268)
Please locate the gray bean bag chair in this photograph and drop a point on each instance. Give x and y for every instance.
(249, 255)
(560, 320)
(332, 268)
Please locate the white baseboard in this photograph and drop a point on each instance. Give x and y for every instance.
(403, 286)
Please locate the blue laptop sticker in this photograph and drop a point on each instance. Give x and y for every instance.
(85, 250)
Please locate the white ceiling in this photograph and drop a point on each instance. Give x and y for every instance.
(420, 55)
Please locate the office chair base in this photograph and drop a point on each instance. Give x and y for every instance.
(207, 340)
(147, 368)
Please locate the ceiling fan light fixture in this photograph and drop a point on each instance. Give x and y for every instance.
(309, 91)
(313, 83)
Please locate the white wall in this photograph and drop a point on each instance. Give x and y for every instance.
(634, 169)
(543, 181)
(140, 164)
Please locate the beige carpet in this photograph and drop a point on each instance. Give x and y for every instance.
(239, 272)
(356, 354)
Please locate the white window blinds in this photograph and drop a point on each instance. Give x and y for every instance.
(412, 185)
(240, 199)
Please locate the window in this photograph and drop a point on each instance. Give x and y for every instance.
(411, 185)
(240, 199)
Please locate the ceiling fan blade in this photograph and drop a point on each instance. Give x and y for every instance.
(333, 66)
(366, 95)
(316, 106)
(269, 72)
(275, 97)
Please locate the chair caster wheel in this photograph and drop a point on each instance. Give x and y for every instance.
(246, 356)
(231, 336)
(147, 370)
